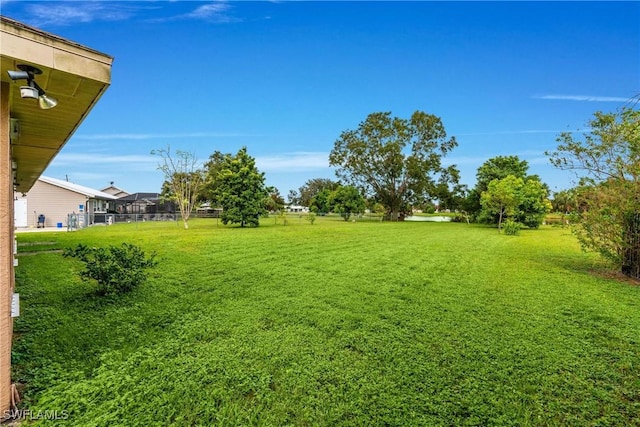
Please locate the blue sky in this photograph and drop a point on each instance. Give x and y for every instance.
(285, 79)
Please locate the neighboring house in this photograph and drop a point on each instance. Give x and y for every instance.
(143, 203)
(56, 199)
(76, 76)
(115, 191)
(206, 211)
(297, 209)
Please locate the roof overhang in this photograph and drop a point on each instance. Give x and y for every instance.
(74, 74)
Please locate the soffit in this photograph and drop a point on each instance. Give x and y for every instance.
(75, 75)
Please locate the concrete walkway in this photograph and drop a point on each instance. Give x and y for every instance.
(39, 230)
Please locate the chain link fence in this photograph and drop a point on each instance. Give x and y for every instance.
(77, 221)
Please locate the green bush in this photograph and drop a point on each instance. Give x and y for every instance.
(283, 216)
(116, 269)
(311, 217)
(511, 228)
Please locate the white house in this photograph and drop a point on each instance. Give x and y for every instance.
(297, 209)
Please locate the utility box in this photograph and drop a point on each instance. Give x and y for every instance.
(15, 305)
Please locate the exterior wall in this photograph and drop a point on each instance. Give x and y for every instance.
(115, 191)
(6, 251)
(53, 202)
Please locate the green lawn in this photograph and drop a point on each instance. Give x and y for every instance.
(331, 324)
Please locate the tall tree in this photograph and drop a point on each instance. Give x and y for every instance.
(607, 161)
(533, 193)
(183, 177)
(240, 190)
(396, 160)
(321, 202)
(212, 167)
(448, 191)
(293, 197)
(274, 202)
(502, 197)
(498, 167)
(347, 201)
(564, 201)
(534, 203)
(314, 186)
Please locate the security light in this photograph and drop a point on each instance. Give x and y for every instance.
(46, 102)
(29, 92)
(32, 90)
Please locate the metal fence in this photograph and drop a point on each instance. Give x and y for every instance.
(77, 221)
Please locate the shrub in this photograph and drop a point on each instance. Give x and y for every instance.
(283, 216)
(511, 228)
(311, 217)
(117, 269)
(460, 217)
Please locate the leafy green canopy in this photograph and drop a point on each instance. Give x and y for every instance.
(321, 202)
(531, 201)
(502, 198)
(607, 161)
(311, 189)
(116, 269)
(498, 167)
(240, 190)
(395, 160)
(347, 201)
(522, 201)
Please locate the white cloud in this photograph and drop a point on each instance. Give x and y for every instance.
(52, 13)
(584, 98)
(290, 162)
(75, 159)
(73, 12)
(217, 11)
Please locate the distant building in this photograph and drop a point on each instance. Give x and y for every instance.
(297, 208)
(56, 199)
(115, 191)
(207, 211)
(143, 203)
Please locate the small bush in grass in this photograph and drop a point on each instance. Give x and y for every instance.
(116, 269)
(511, 228)
(283, 216)
(311, 217)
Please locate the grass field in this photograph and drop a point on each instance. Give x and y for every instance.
(331, 324)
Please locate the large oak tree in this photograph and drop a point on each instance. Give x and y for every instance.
(395, 160)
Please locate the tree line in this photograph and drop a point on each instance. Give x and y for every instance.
(394, 165)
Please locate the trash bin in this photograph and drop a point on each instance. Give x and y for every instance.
(40, 221)
(59, 225)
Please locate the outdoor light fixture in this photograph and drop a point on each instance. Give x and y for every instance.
(32, 90)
